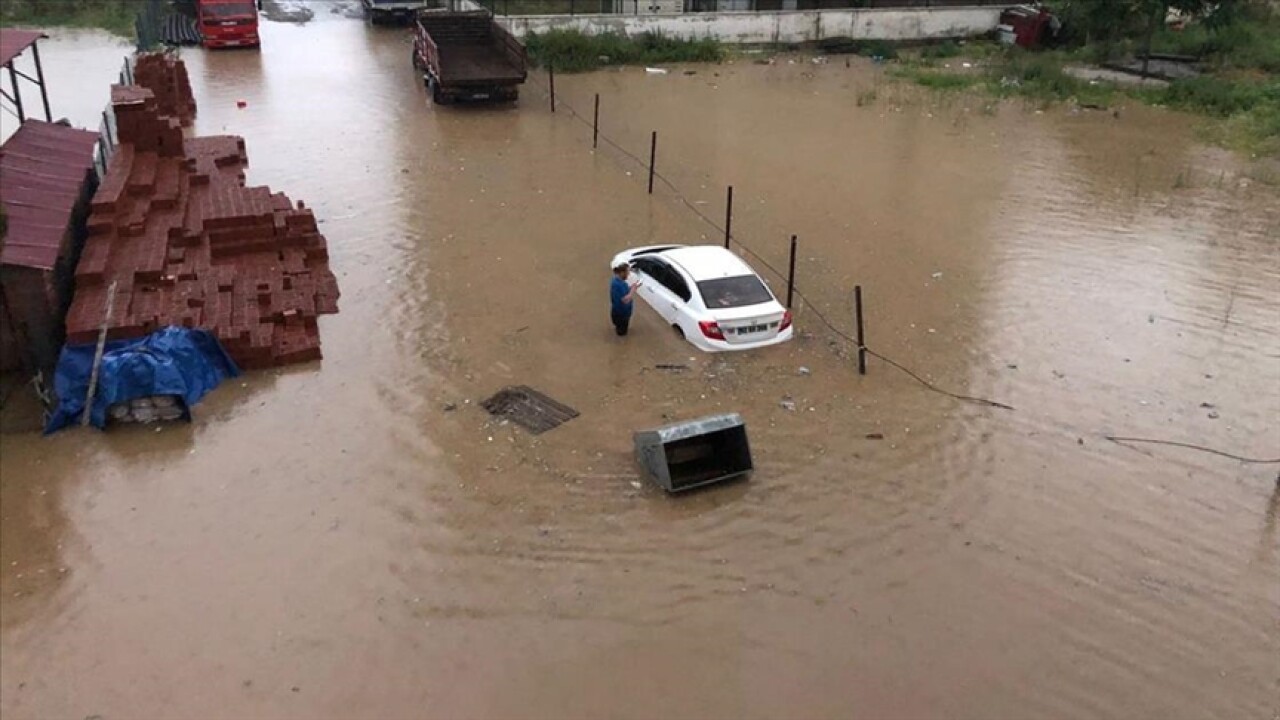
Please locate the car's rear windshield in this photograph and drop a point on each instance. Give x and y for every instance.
(228, 9)
(732, 292)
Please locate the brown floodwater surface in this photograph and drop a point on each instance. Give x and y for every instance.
(356, 538)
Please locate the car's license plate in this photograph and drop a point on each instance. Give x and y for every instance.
(480, 96)
(752, 329)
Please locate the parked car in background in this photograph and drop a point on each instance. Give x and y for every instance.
(228, 23)
(709, 295)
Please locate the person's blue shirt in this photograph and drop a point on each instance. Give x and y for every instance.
(618, 289)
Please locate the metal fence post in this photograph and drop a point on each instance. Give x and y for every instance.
(791, 273)
(551, 71)
(595, 125)
(653, 156)
(728, 218)
(862, 343)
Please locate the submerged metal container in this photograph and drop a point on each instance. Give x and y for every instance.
(687, 455)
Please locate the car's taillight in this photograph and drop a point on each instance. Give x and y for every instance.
(786, 321)
(711, 329)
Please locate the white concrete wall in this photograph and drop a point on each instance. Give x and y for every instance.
(779, 27)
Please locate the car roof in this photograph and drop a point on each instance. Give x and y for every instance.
(708, 262)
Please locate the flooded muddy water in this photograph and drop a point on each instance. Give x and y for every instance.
(334, 541)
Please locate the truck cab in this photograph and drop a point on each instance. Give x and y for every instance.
(228, 23)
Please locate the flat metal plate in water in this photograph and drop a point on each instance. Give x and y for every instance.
(529, 408)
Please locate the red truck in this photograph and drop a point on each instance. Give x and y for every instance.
(228, 23)
(467, 56)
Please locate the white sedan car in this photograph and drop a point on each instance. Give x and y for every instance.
(709, 295)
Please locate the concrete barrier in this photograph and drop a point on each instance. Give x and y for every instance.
(779, 26)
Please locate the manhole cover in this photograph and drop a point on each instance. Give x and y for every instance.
(529, 408)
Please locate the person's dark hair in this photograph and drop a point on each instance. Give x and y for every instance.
(621, 268)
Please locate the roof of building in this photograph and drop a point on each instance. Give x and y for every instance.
(42, 170)
(13, 42)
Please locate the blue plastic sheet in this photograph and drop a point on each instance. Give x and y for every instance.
(172, 361)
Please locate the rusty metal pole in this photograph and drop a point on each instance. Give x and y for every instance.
(17, 92)
(106, 131)
(44, 92)
(551, 71)
(653, 157)
(728, 218)
(791, 273)
(595, 125)
(92, 392)
(857, 318)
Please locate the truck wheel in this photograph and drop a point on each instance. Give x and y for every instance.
(439, 97)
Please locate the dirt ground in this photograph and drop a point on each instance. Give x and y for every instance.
(357, 538)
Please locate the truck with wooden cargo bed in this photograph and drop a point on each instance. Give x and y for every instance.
(467, 56)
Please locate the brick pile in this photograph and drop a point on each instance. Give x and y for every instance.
(166, 76)
(187, 244)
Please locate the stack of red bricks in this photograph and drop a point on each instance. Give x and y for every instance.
(166, 76)
(186, 243)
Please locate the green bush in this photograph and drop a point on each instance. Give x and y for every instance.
(114, 15)
(573, 51)
(1246, 40)
(947, 49)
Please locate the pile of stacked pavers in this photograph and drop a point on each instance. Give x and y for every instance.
(185, 243)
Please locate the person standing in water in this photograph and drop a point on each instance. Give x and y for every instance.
(622, 297)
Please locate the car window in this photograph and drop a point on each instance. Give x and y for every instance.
(644, 265)
(672, 280)
(732, 292)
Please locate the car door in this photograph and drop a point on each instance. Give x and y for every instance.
(670, 292)
(652, 272)
(644, 271)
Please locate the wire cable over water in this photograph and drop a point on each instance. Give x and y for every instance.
(762, 261)
(1190, 446)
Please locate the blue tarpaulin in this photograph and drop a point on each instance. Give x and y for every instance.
(173, 361)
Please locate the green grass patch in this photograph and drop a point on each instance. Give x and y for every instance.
(941, 51)
(938, 80)
(116, 16)
(573, 51)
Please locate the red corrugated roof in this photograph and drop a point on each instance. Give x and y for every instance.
(13, 42)
(42, 172)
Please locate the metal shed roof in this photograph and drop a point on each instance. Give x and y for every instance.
(42, 174)
(13, 42)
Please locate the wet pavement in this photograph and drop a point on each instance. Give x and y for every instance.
(332, 541)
